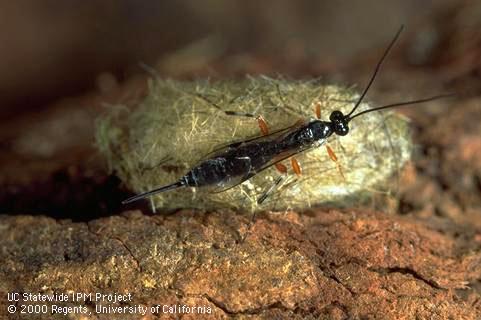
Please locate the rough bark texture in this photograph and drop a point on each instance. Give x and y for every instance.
(331, 264)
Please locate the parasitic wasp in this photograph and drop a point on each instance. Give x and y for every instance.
(237, 162)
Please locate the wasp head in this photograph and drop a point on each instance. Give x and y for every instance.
(339, 123)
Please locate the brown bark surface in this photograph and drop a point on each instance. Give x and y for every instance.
(331, 264)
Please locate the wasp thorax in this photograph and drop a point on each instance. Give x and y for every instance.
(320, 130)
(339, 123)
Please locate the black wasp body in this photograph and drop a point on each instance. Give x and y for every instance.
(242, 160)
(239, 161)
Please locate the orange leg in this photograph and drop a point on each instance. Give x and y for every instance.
(331, 153)
(333, 157)
(281, 168)
(260, 119)
(296, 166)
(317, 109)
(263, 125)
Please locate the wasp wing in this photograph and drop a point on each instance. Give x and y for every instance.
(240, 179)
(275, 137)
(268, 137)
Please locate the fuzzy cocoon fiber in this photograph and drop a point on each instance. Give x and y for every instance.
(179, 123)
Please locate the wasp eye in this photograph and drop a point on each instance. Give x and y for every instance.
(339, 123)
(336, 116)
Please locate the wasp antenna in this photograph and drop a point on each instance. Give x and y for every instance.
(406, 103)
(376, 70)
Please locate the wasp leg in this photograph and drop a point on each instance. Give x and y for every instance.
(263, 125)
(276, 183)
(165, 159)
(281, 168)
(296, 166)
(261, 199)
(333, 157)
(317, 109)
(260, 119)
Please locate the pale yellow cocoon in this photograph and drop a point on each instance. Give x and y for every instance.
(180, 123)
